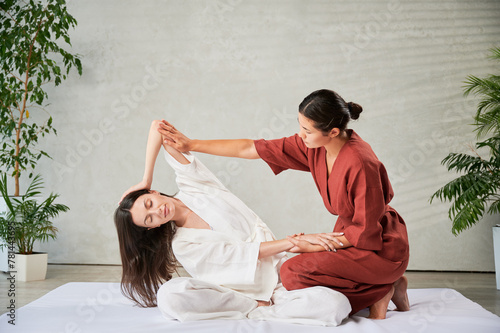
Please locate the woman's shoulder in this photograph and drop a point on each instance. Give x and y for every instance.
(358, 154)
(289, 143)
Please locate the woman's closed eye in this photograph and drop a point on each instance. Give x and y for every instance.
(148, 204)
(147, 220)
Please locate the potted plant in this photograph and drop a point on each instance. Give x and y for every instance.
(477, 191)
(33, 34)
(27, 221)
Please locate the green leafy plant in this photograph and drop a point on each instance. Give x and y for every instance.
(27, 220)
(31, 56)
(477, 191)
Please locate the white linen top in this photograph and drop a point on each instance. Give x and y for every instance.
(228, 254)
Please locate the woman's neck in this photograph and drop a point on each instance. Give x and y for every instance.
(182, 213)
(333, 147)
(186, 218)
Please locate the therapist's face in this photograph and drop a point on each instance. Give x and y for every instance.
(312, 137)
(152, 210)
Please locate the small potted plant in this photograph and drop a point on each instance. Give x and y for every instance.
(477, 191)
(28, 220)
(33, 34)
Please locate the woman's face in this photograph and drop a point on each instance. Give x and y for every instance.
(152, 210)
(312, 137)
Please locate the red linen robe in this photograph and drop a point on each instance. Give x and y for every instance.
(358, 191)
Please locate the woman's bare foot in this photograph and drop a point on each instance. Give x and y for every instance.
(400, 298)
(263, 303)
(379, 309)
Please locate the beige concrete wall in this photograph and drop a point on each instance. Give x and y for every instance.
(232, 69)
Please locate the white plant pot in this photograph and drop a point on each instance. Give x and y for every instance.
(31, 267)
(496, 248)
(4, 251)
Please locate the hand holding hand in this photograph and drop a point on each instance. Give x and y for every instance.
(173, 138)
(302, 246)
(328, 240)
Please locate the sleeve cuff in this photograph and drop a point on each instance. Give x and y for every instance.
(176, 165)
(266, 155)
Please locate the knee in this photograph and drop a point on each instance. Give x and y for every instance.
(173, 286)
(169, 297)
(285, 270)
(289, 274)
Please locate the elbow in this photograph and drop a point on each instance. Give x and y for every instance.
(155, 123)
(250, 152)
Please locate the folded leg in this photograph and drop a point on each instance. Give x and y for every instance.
(311, 306)
(361, 275)
(188, 299)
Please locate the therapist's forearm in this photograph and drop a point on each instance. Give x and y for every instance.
(271, 248)
(344, 241)
(242, 148)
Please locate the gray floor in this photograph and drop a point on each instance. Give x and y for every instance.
(479, 287)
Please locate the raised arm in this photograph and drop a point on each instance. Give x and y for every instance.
(242, 148)
(155, 141)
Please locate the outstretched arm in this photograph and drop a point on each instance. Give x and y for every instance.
(271, 248)
(243, 148)
(331, 241)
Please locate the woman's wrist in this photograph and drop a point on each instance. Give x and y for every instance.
(193, 145)
(271, 248)
(289, 245)
(147, 181)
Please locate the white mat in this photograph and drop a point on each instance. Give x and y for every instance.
(81, 307)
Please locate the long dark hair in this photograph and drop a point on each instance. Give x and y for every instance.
(147, 256)
(328, 110)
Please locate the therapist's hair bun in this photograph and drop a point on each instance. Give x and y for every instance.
(354, 110)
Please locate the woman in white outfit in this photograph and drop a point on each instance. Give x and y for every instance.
(232, 256)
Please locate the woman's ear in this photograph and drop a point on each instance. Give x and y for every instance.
(334, 132)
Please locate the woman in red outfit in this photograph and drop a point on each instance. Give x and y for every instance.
(369, 260)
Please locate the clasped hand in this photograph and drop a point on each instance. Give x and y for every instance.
(173, 138)
(315, 242)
